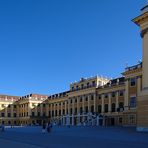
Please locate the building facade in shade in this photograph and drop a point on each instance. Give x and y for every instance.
(91, 101)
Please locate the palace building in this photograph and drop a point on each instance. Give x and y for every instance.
(94, 101)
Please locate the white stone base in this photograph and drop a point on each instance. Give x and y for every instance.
(142, 129)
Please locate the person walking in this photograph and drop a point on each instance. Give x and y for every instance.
(48, 127)
(43, 127)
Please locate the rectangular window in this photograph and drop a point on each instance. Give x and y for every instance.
(32, 114)
(9, 115)
(133, 81)
(14, 114)
(113, 94)
(133, 102)
(3, 114)
(121, 93)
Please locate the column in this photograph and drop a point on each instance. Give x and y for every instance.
(58, 109)
(12, 110)
(94, 102)
(54, 109)
(65, 107)
(61, 108)
(109, 103)
(89, 102)
(41, 109)
(6, 111)
(83, 103)
(117, 100)
(29, 109)
(47, 110)
(102, 99)
(83, 106)
(78, 107)
(73, 110)
(126, 95)
(51, 110)
(139, 86)
(36, 110)
(68, 106)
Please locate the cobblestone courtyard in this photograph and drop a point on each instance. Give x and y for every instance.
(74, 137)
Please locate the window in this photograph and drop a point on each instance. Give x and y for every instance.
(86, 98)
(72, 88)
(71, 111)
(33, 114)
(3, 114)
(81, 110)
(121, 93)
(133, 81)
(106, 95)
(52, 113)
(99, 108)
(81, 99)
(86, 109)
(92, 97)
(56, 113)
(59, 112)
(77, 87)
(14, 114)
(14, 106)
(87, 84)
(44, 114)
(9, 115)
(75, 110)
(106, 108)
(99, 97)
(82, 86)
(75, 100)
(92, 108)
(39, 114)
(93, 83)
(113, 94)
(63, 111)
(121, 105)
(113, 107)
(133, 102)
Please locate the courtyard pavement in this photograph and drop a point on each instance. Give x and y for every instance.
(74, 137)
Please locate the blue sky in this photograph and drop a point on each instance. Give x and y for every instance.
(46, 44)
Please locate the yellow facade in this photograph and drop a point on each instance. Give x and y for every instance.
(90, 101)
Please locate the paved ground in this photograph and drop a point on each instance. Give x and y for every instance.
(74, 137)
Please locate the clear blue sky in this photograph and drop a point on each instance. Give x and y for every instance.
(46, 44)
